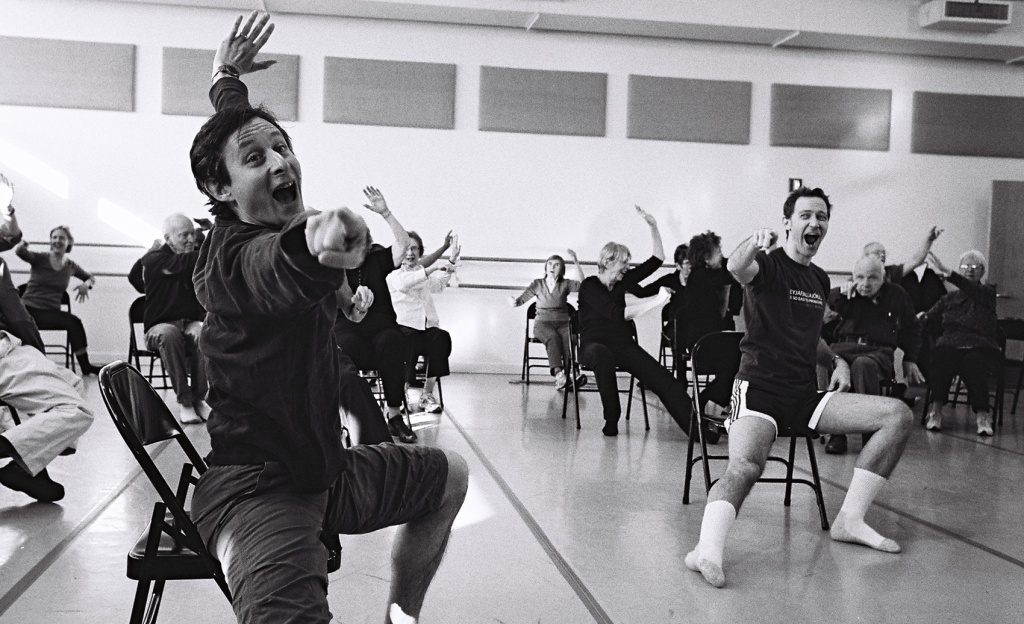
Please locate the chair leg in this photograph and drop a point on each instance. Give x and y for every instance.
(689, 463)
(1016, 393)
(643, 404)
(789, 472)
(812, 459)
(139, 605)
(629, 399)
(154, 602)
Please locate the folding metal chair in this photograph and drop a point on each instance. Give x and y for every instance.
(170, 548)
(157, 374)
(718, 354)
(60, 349)
(577, 367)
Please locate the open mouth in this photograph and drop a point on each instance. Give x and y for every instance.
(286, 193)
(812, 239)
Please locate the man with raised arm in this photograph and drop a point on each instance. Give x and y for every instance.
(776, 390)
(279, 474)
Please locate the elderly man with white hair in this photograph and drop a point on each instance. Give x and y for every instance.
(968, 345)
(173, 317)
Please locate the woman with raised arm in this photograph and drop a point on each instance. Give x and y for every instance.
(551, 325)
(673, 319)
(967, 344)
(412, 288)
(607, 341)
(48, 280)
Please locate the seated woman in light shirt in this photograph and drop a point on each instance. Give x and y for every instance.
(412, 288)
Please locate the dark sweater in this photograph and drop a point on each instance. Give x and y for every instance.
(887, 319)
(167, 279)
(14, 318)
(967, 317)
(602, 311)
(272, 359)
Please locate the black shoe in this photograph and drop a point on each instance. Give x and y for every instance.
(68, 451)
(89, 369)
(401, 431)
(40, 487)
(864, 437)
(611, 428)
(581, 380)
(836, 444)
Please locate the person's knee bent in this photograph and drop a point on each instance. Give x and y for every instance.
(743, 472)
(457, 483)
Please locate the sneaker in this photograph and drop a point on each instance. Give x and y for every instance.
(40, 487)
(836, 445)
(429, 404)
(560, 380)
(203, 409)
(934, 422)
(401, 431)
(188, 416)
(984, 420)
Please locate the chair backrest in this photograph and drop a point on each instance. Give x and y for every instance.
(716, 354)
(137, 311)
(65, 298)
(142, 419)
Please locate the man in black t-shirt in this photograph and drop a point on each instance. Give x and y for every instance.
(776, 388)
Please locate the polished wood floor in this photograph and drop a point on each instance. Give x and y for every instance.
(571, 527)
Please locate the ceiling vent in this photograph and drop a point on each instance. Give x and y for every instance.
(964, 15)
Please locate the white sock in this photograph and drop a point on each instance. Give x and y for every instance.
(706, 558)
(398, 616)
(849, 525)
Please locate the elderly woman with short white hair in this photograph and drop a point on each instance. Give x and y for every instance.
(968, 345)
(606, 337)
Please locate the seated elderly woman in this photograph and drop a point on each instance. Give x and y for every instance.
(551, 325)
(412, 288)
(968, 345)
(606, 337)
(48, 280)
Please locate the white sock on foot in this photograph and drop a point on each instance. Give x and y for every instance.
(706, 558)
(849, 525)
(398, 616)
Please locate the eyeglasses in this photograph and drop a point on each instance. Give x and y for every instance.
(972, 267)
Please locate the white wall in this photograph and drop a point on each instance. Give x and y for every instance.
(506, 194)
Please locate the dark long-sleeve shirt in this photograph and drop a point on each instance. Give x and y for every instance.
(272, 359)
(707, 302)
(967, 317)
(603, 312)
(14, 318)
(167, 280)
(887, 319)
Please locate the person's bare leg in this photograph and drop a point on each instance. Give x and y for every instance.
(420, 545)
(750, 441)
(890, 421)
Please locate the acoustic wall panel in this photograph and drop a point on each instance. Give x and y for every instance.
(681, 109)
(389, 93)
(830, 117)
(968, 125)
(186, 84)
(542, 102)
(67, 74)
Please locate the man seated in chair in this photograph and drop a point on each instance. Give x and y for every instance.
(47, 397)
(877, 317)
(775, 391)
(174, 317)
(279, 473)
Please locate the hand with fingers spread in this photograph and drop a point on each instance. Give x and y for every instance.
(337, 238)
(237, 52)
(934, 233)
(648, 217)
(377, 203)
(83, 292)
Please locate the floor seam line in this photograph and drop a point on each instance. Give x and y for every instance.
(574, 581)
(25, 582)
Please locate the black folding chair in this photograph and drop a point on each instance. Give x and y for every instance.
(536, 361)
(60, 349)
(170, 548)
(577, 367)
(718, 354)
(157, 374)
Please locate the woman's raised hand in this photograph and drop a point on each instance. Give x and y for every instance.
(648, 217)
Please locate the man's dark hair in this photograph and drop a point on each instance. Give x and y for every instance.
(701, 247)
(680, 254)
(803, 191)
(207, 153)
